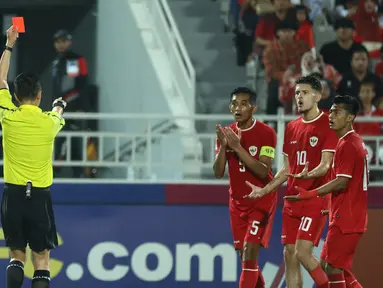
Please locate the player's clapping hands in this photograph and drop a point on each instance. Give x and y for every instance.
(12, 35)
(256, 192)
(221, 137)
(233, 140)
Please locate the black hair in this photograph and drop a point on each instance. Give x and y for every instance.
(361, 49)
(351, 104)
(286, 25)
(313, 81)
(27, 86)
(245, 90)
(344, 22)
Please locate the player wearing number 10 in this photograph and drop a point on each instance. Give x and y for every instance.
(248, 146)
(309, 146)
(348, 213)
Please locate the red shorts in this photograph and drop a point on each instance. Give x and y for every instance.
(303, 223)
(251, 225)
(339, 248)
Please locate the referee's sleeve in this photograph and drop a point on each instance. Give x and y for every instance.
(58, 121)
(6, 104)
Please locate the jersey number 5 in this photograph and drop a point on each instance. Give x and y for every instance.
(254, 227)
(301, 157)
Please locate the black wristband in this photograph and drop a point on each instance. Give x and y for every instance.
(60, 104)
(8, 48)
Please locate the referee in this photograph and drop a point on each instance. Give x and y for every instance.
(26, 206)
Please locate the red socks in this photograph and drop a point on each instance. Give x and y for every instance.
(319, 277)
(337, 281)
(249, 275)
(351, 281)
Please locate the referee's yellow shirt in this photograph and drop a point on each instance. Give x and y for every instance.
(28, 138)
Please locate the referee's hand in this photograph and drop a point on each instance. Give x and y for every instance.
(59, 105)
(12, 35)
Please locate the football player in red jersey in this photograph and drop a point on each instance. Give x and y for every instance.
(248, 146)
(309, 146)
(348, 211)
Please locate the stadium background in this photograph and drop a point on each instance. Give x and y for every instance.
(168, 233)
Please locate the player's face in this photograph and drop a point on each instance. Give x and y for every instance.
(305, 97)
(241, 107)
(339, 117)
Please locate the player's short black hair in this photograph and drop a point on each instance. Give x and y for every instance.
(313, 81)
(27, 86)
(351, 104)
(245, 90)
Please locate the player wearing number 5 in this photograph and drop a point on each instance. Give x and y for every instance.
(309, 146)
(248, 146)
(348, 213)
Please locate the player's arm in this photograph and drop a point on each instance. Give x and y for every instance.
(261, 167)
(319, 171)
(278, 180)
(220, 154)
(328, 150)
(220, 163)
(343, 166)
(323, 167)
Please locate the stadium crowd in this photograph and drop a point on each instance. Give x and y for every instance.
(342, 46)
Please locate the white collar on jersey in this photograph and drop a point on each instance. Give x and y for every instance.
(349, 132)
(313, 120)
(247, 129)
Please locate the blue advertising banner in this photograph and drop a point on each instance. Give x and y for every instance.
(149, 246)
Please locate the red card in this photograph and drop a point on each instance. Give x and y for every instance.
(19, 23)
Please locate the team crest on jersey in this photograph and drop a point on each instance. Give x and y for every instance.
(253, 150)
(313, 141)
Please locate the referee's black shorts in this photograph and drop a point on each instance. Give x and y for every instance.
(28, 221)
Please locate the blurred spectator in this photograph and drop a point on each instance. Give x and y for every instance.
(70, 77)
(311, 66)
(282, 59)
(350, 84)
(305, 26)
(265, 31)
(367, 22)
(316, 7)
(346, 8)
(367, 96)
(244, 35)
(339, 52)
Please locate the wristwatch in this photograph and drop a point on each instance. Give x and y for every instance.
(60, 104)
(8, 48)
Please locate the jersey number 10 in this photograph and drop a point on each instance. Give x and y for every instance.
(301, 157)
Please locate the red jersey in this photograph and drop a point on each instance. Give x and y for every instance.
(260, 139)
(304, 142)
(349, 207)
